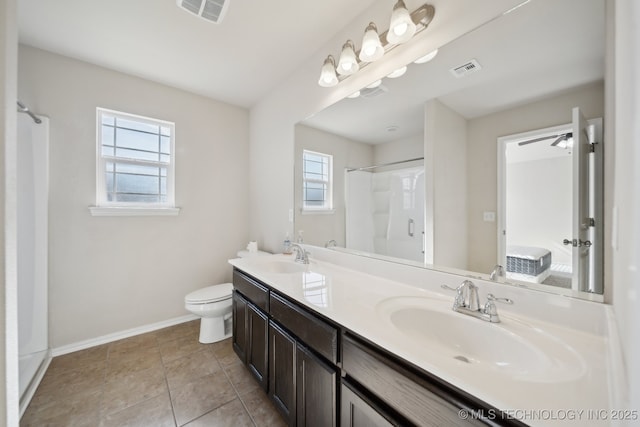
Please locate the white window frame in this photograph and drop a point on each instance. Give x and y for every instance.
(327, 207)
(104, 207)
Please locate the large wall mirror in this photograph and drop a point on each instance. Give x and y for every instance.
(414, 162)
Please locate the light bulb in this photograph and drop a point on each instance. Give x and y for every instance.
(348, 64)
(354, 94)
(328, 77)
(401, 27)
(372, 49)
(428, 57)
(397, 73)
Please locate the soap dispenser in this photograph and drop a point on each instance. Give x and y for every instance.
(286, 246)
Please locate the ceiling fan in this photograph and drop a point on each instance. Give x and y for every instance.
(558, 139)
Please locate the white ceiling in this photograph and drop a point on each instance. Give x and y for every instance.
(257, 45)
(540, 49)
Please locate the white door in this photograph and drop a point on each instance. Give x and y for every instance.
(587, 193)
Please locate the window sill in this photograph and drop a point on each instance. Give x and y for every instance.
(132, 211)
(317, 211)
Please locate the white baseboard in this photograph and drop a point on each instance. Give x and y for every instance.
(81, 345)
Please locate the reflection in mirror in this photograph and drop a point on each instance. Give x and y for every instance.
(530, 69)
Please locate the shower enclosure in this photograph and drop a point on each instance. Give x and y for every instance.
(32, 218)
(385, 211)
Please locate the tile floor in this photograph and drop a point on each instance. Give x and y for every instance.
(162, 378)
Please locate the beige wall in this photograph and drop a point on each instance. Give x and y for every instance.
(401, 149)
(445, 153)
(483, 133)
(319, 228)
(108, 274)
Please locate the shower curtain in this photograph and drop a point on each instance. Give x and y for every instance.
(32, 243)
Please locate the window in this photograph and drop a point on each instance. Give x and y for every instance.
(135, 162)
(317, 185)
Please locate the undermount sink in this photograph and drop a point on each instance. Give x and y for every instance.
(512, 348)
(283, 266)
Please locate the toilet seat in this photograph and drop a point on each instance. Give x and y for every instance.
(210, 294)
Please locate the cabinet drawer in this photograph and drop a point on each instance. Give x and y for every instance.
(250, 288)
(409, 396)
(313, 331)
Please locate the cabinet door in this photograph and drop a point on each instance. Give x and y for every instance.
(356, 412)
(257, 354)
(240, 326)
(282, 372)
(315, 390)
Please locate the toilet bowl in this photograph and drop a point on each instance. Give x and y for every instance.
(213, 305)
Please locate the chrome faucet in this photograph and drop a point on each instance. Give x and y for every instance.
(302, 256)
(496, 273)
(467, 302)
(331, 244)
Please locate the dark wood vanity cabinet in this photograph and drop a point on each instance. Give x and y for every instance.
(290, 351)
(250, 337)
(257, 348)
(316, 394)
(239, 312)
(301, 384)
(282, 371)
(251, 325)
(297, 355)
(357, 411)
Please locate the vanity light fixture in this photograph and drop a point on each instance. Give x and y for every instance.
(428, 57)
(403, 26)
(372, 49)
(397, 73)
(328, 77)
(348, 63)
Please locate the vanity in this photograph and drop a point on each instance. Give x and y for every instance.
(333, 345)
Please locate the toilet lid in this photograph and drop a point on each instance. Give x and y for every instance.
(210, 293)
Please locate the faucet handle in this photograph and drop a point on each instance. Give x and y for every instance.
(449, 288)
(491, 297)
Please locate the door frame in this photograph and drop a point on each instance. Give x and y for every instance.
(598, 185)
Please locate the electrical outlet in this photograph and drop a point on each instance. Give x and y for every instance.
(290, 215)
(489, 217)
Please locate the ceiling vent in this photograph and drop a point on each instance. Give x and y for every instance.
(373, 92)
(466, 68)
(211, 10)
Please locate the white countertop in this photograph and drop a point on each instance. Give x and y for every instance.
(580, 395)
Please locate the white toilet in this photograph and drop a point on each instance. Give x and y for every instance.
(213, 304)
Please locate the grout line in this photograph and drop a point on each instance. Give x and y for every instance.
(237, 394)
(166, 380)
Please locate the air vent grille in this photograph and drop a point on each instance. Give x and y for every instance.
(211, 10)
(465, 69)
(373, 92)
